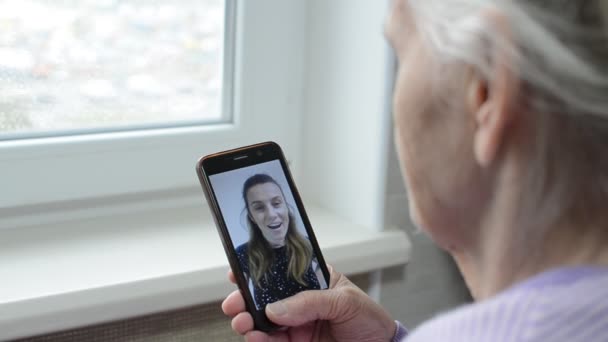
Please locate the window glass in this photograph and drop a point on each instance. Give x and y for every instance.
(88, 65)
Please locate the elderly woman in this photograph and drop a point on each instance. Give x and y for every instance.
(501, 124)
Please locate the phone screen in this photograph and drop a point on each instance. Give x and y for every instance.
(268, 234)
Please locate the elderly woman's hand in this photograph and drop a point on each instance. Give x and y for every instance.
(341, 313)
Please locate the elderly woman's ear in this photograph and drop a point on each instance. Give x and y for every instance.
(492, 99)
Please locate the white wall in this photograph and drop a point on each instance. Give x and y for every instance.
(345, 120)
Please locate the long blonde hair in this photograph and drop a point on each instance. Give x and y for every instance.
(259, 251)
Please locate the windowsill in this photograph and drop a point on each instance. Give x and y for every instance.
(88, 271)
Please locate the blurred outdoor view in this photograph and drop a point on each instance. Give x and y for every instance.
(97, 64)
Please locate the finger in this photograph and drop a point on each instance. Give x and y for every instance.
(302, 333)
(333, 276)
(234, 304)
(259, 336)
(310, 306)
(242, 323)
(231, 277)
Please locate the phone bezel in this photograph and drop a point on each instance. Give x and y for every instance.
(239, 158)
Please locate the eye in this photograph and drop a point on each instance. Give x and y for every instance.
(258, 208)
(277, 203)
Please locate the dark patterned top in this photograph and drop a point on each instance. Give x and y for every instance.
(278, 285)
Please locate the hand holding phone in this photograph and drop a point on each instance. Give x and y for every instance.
(266, 234)
(342, 313)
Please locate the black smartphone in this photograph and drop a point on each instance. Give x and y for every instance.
(266, 234)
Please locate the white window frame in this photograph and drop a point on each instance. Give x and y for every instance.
(268, 66)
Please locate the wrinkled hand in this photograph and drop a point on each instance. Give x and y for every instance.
(341, 313)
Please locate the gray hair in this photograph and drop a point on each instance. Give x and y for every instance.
(559, 50)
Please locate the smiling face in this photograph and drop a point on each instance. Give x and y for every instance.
(268, 210)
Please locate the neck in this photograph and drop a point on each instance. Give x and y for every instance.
(511, 248)
(277, 244)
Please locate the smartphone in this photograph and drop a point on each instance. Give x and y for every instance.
(267, 236)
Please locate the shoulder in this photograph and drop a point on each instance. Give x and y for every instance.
(484, 321)
(242, 249)
(241, 252)
(573, 310)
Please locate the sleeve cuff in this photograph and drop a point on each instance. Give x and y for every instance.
(400, 332)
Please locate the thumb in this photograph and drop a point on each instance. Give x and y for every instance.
(307, 306)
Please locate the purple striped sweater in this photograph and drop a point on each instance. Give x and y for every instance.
(566, 304)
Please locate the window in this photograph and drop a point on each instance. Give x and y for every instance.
(136, 119)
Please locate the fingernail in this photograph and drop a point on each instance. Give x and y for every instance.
(277, 308)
